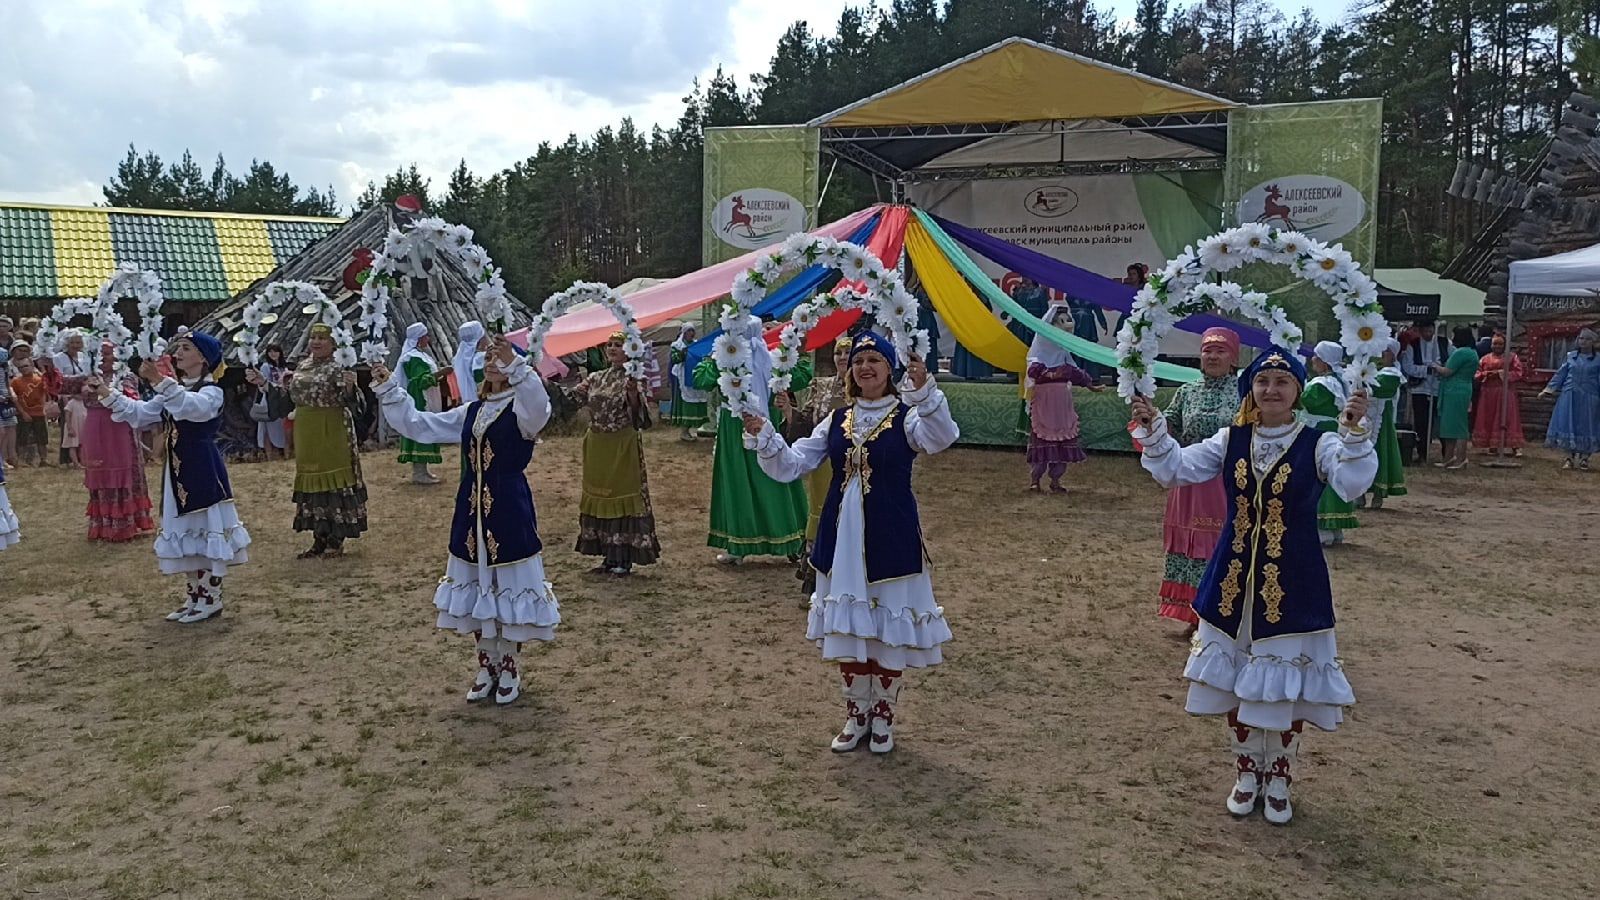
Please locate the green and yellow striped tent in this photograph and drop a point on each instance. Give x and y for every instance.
(48, 253)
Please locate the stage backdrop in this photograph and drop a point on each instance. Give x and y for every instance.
(1312, 167)
(759, 187)
(1097, 222)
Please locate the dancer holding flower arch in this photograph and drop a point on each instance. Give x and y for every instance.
(873, 611)
(1265, 654)
(418, 375)
(615, 520)
(1322, 401)
(494, 585)
(201, 535)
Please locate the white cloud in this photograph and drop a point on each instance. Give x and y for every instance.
(342, 93)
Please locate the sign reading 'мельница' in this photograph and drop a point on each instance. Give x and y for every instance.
(757, 217)
(1315, 205)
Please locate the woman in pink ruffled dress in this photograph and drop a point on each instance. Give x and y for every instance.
(1053, 430)
(113, 468)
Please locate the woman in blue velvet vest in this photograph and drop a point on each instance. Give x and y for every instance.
(494, 585)
(200, 535)
(1264, 654)
(873, 611)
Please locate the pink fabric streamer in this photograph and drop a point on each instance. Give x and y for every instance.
(591, 327)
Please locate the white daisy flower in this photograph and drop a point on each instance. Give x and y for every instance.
(1286, 335)
(1290, 245)
(1254, 240)
(345, 357)
(769, 269)
(746, 293)
(780, 383)
(785, 357)
(921, 343)
(1361, 372)
(730, 352)
(734, 385)
(791, 337)
(1364, 334)
(807, 320)
(634, 369)
(634, 346)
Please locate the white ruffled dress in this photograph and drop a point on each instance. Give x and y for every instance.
(895, 623)
(513, 601)
(1273, 682)
(210, 539)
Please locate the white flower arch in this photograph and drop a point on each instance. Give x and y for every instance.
(885, 297)
(143, 284)
(403, 253)
(1180, 290)
(633, 342)
(276, 295)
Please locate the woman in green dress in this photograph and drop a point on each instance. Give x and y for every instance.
(688, 410)
(1391, 480)
(1455, 399)
(1321, 404)
(330, 499)
(615, 521)
(751, 515)
(418, 376)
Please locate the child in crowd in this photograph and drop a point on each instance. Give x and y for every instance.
(29, 393)
(76, 412)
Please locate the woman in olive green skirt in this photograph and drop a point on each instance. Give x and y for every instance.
(751, 515)
(827, 395)
(615, 521)
(329, 496)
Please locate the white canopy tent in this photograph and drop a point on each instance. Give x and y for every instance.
(1575, 273)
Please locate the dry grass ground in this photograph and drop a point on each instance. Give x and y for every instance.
(672, 742)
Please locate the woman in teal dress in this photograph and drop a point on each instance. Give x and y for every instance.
(752, 515)
(1455, 399)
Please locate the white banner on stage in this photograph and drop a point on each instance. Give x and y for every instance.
(1094, 222)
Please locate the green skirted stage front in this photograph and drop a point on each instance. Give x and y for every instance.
(991, 415)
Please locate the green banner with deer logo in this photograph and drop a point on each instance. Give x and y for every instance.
(1312, 168)
(759, 187)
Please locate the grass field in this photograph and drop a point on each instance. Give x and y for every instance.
(672, 742)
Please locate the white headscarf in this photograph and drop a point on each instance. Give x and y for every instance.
(1329, 352)
(1048, 352)
(760, 367)
(680, 370)
(465, 362)
(415, 332)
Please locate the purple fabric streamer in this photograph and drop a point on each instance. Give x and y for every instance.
(1082, 284)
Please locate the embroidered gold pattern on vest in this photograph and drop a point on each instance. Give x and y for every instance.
(1241, 522)
(1274, 528)
(488, 501)
(1272, 592)
(856, 463)
(1280, 479)
(1241, 474)
(1230, 588)
(494, 547)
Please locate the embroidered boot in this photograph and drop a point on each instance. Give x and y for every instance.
(1249, 745)
(885, 696)
(197, 581)
(1282, 747)
(484, 683)
(208, 603)
(857, 705)
(508, 686)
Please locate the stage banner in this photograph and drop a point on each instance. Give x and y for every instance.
(1102, 223)
(1311, 167)
(759, 187)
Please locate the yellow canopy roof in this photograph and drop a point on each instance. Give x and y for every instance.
(1018, 80)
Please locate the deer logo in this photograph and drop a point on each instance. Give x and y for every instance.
(737, 216)
(1273, 211)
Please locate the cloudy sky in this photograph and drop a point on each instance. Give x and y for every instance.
(340, 93)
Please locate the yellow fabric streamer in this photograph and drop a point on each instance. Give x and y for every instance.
(970, 320)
